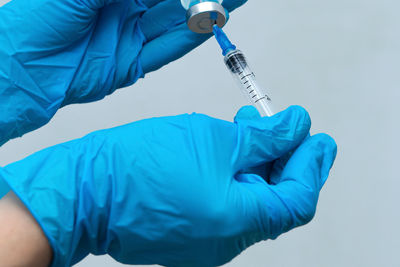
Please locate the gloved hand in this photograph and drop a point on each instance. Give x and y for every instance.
(171, 190)
(58, 52)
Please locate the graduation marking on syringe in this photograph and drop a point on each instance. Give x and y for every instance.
(260, 99)
(239, 68)
(247, 75)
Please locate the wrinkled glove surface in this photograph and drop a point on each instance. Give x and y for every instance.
(174, 190)
(58, 52)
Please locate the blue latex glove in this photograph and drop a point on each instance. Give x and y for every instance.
(170, 190)
(58, 52)
(3, 188)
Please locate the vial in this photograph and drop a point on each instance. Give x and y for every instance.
(202, 15)
(188, 3)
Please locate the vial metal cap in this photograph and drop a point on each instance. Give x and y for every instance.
(203, 16)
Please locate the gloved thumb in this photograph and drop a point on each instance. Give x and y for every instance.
(293, 201)
(247, 113)
(251, 113)
(261, 140)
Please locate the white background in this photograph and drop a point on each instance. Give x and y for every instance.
(340, 60)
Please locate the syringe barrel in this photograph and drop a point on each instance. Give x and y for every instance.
(246, 80)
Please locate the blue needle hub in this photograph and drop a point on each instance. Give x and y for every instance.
(223, 40)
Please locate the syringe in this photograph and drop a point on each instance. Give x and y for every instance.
(238, 66)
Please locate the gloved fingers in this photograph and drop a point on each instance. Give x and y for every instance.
(310, 163)
(292, 202)
(266, 139)
(168, 36)
(151, 3)
(250, 178)
(161, 18)
(231, 5)
(278, 167)
(303, 177)
(251, 113)
(165, 15)
(247, 113)
(262, 171)
(170, 46)
(94, 5)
